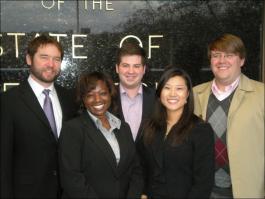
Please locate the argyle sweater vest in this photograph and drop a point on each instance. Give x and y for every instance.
(216, 115)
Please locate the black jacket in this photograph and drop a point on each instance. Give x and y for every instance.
(186, 171)
(88, 165)
(29, 159)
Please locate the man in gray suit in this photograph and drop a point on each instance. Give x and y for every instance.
(29, 163)
(136, 100)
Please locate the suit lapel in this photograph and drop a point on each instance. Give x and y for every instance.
(147, 106)
(237, 98)
(99, 140)
(120, 106)
(62, 101)
(121, 137)
(157, 147)
(204, 98)
(244, 85)
(30, 99)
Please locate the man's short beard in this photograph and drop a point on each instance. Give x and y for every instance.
(38, 75)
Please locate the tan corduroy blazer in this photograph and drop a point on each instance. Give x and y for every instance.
(245, 135)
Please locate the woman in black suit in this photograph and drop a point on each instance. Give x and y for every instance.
(176, 148)
(97, 155)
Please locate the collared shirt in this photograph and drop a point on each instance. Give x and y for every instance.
(109, 134)
(132, 109)
(220, 95)
(37, 89)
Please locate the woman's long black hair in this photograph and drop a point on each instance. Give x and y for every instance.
(153, 124)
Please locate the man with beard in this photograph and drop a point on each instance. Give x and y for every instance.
(29, 136)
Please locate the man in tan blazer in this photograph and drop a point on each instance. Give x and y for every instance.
(234, 105)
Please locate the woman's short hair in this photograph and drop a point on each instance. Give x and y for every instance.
(88, 82)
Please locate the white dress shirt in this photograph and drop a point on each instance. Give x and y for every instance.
(37, 89)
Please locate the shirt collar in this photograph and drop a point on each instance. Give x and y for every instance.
(37, 88)
(231, 87)
(113, 121)
(122, 91)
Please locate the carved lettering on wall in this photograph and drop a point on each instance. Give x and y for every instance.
(1, 49)
(74, 45)
(97, 4)
(16, 40)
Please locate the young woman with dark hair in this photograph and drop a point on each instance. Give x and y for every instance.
(176, 148)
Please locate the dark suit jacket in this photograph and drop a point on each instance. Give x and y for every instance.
(29, 163)
(148, 103)
(186, 171)
(88, 165)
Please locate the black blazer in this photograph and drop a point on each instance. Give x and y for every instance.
(29, 163)
(186, 171)
(148, 103)
(88, 165)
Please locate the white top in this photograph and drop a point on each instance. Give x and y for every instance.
(115, 123)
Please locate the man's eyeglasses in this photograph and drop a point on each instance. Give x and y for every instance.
(228, 56)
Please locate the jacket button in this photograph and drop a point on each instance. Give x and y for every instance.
(116, 180)
(55, 173)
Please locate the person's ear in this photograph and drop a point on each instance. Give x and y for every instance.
(117, 68)
(242, 61)
(28, 59)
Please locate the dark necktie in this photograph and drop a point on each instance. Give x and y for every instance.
(47, 107)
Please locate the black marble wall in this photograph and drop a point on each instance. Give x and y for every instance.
(91, 32)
